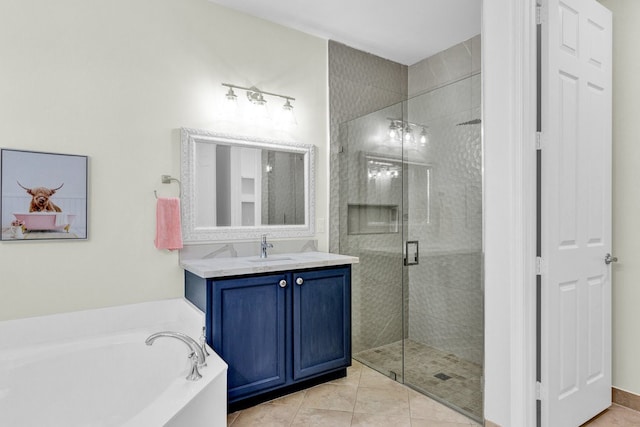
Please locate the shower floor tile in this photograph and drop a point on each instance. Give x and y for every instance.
(436, 373)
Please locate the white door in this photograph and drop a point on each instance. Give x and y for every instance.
(576, 211)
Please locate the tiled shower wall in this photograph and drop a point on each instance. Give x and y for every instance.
(360, 83)
(445, 289)
(450, 65)
(379, 315)
(443, 298)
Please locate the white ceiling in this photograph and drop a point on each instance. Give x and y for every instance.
(405, 31)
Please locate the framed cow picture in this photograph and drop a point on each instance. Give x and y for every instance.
(43, 195)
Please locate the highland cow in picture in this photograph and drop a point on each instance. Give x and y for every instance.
(41, 199)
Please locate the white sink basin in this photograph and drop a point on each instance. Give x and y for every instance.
(269, 259)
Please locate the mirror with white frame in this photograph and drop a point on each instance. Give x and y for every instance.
(238, 187)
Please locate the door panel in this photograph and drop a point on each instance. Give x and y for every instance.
(321, 321)
(576, 211)
(250, 330)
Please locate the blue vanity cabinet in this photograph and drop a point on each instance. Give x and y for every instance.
(278, 332)
(321, 321)
(248, 320)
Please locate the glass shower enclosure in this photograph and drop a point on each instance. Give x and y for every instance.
(411, 210)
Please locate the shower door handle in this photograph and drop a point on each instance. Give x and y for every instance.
(411, 253)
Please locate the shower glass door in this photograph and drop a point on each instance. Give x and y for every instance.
(371, 227)
(443, 342)
(411, 210)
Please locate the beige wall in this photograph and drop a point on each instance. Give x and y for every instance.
(626, 194)
(115, 81)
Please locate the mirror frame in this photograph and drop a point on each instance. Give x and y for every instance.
(192, 234)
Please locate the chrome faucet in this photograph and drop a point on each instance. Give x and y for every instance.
(203, 342)
(263, 246)
(197, 356)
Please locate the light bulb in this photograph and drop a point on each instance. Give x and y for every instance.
(286, 118)
(257, 111)
(407, 134)
(424, 137)
(393, 130)
(230, 104)
(231, 96)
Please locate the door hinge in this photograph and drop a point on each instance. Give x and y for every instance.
(538, 14)
(538, 266)
(538, 140)
(538, 390)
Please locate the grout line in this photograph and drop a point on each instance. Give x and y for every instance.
(298, 409)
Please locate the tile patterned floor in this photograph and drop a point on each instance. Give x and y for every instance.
(460, 387)
(363, 398)
(616, 416)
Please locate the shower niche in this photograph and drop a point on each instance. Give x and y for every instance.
(372, 219)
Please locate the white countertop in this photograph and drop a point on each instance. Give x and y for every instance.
(224, 267)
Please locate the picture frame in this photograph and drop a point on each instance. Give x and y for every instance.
(43, 196)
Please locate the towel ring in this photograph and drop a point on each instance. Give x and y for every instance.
(167, 179)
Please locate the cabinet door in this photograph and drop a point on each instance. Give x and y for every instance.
(249, 331)
(321, 321)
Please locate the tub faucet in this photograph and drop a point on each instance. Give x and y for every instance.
(196, 356)
(263, 246)
(203, 342)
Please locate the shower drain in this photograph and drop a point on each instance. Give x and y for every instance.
(442, 376)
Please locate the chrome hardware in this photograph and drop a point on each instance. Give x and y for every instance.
(194, 374)
(283, 283)
(263, 246)
(299, 281)
(196, 355)
(203, 343)
(411, 253)
(167, 179)
(608, 259)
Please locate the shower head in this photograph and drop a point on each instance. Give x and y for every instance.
(470, 122)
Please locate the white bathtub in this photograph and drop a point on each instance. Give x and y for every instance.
(92, 368)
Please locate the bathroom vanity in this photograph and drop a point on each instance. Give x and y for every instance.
(281, 323)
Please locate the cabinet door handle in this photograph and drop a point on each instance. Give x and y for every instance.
(283, 283)
(299, 281)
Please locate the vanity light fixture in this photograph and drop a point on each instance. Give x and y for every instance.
(231, 101)
(400, 130)
(258, 102)
(382, 169)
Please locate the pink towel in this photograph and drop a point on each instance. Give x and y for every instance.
(168, 230)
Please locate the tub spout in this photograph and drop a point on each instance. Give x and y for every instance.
(196, 355)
